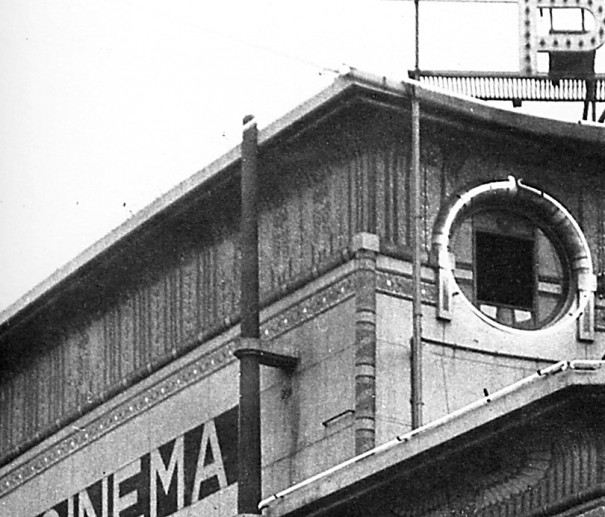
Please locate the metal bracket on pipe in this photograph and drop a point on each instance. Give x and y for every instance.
(284, 362)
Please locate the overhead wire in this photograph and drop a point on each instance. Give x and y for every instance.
(237, 39)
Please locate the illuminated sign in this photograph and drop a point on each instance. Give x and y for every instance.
(577, 41)
(177, 474)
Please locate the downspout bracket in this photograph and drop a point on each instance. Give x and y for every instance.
(284, 362)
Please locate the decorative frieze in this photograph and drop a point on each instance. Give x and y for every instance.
(127, 410)
(308, 308)
(182, 280)
(401, 286)
(193, 372)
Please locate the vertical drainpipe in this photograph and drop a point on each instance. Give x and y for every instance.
(365, 246)
(249, 232)
(249, 438)
(416, 352)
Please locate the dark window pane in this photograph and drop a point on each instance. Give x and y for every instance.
(505, 270)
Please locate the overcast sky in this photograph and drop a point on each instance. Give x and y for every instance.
(107, 104)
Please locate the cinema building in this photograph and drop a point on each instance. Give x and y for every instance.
(471, 387)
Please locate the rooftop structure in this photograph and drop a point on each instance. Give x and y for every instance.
(123, 374)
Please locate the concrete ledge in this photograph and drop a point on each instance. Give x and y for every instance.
(360, 473)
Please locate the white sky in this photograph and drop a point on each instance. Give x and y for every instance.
(107, 104)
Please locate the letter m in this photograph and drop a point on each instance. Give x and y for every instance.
(158, 469)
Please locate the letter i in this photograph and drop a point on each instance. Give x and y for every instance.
(104, 497)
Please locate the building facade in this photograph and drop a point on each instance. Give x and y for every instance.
(119, 390)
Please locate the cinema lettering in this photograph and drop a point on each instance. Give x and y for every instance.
(177, 474)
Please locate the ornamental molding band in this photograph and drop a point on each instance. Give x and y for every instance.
(126, 411)
(400, 285)
(192, 372)
(308, 308)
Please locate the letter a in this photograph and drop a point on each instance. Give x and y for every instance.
(216, 468)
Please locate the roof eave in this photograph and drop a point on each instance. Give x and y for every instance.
(353, 81)
(29, 302)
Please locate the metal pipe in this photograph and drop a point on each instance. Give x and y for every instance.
(417, 40)
(249, 231)
(416, 345)
(249, 437)
(416, 348)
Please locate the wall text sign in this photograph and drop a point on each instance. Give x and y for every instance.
(177, 474)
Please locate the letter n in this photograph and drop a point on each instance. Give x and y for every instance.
(85, 506)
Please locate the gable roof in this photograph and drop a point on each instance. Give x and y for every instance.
(353, 85)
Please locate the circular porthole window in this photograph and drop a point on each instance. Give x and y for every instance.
(509, 268)
(515, 254)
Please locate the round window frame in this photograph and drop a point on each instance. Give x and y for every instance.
(548, 214)
(565, 302)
